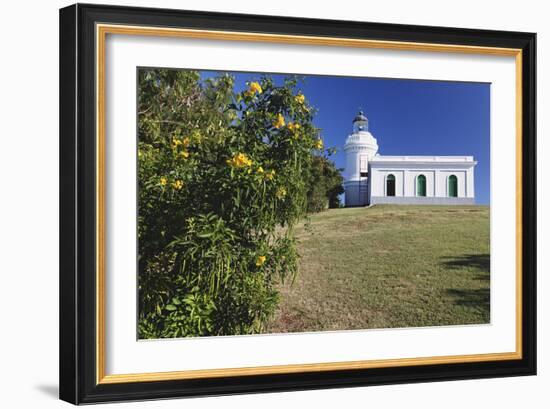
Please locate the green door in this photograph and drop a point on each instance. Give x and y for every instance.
(453, 186)
(421, 185)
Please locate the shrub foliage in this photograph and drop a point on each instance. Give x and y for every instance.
(325, 185)
(223, 178)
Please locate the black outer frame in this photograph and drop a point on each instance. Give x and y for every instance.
(78, 197)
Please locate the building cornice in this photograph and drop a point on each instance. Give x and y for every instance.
(461, 161)
(422, 158)
(420, 163)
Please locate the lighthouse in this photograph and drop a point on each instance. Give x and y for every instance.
(360, 147)
(371, 179)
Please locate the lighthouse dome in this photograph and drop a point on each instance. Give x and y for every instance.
(361, 140)
(360, 117)
(360, 122)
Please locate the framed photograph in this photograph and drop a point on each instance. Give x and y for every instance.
(258, 203)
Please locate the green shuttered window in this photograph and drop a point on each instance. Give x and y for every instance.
(453, 186)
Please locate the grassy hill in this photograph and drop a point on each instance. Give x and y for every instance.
(388, 267)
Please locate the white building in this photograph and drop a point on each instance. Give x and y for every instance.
(371, 178)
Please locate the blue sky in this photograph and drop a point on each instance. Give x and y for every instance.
(407, 117)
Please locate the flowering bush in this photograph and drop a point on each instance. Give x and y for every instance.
(222, 180)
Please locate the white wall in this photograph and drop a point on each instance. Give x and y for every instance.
(378, 180)
(29, 217)
(360, 148)
(356, 162)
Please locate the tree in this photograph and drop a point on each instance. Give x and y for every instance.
(325, 185)
(221, 185)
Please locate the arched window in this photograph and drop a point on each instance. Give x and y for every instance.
(453, 186)
(421, 185)
(390, 185)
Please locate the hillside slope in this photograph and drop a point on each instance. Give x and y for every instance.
(389, 267)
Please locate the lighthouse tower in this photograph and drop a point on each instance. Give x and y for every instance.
(360, 148)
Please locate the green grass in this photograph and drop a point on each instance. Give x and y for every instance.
(389, 267)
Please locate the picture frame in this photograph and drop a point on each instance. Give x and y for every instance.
(83, 214)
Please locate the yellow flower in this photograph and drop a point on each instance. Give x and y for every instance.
(279, 122)
(256, 87)
(184, 154)
(240, 160)
(319, 144)
(281, 193)
(186, 141)
(253, 88)
(178, 184)
(300, 98)
(163, 181)
(260, 170)
(293, 127)
(260, 261)
(270, 175)
(175, 143)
